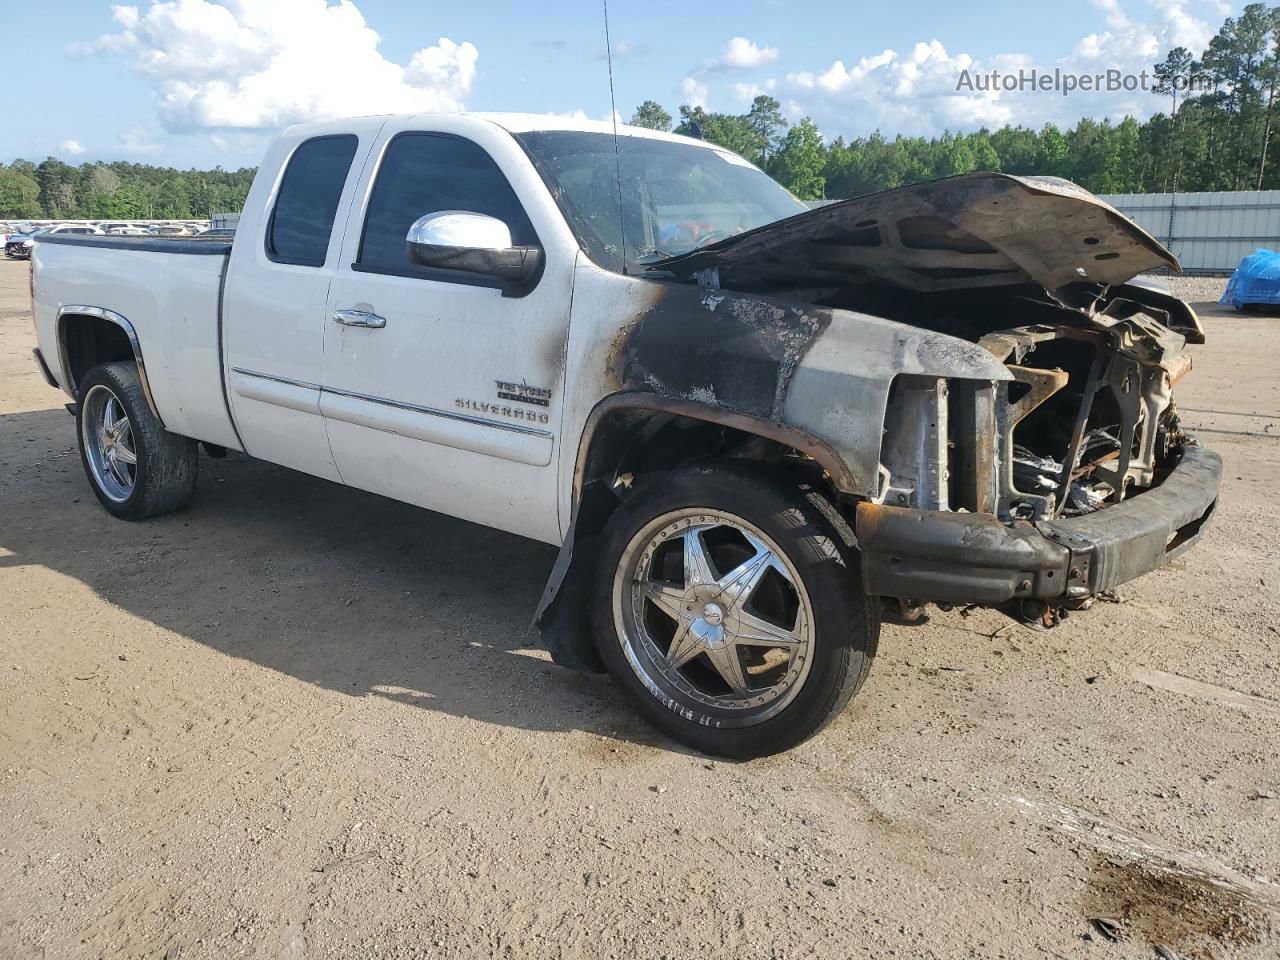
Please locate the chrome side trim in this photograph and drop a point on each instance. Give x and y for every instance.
(274, 379)
(446, 414)
(399, 405)
(101, 313)
(277, 391)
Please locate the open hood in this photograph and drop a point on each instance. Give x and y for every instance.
(975, 230)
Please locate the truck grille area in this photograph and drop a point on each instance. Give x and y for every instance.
(1086, 420)
(1088, 417)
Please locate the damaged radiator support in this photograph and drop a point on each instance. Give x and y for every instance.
(1031, 506)
(1111, 407)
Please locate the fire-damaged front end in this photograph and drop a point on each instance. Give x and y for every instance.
(997, 388)
(1064, 480)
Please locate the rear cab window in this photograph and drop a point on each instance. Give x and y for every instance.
(307, 202)
(424, 173)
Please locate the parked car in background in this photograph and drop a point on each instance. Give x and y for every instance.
(19, 247)
(745, 423)
(69, 229)
(214, 233)
(118, 228)
(170, 230)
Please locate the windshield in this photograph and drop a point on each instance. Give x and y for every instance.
(675, 197)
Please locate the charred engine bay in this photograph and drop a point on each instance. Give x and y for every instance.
(1088, 417)
(1037, 272)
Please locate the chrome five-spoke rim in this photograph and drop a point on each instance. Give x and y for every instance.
(713, 617)
(109, 443)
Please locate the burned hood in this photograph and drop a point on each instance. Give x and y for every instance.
(975, 230)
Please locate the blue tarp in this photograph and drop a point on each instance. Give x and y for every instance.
(1256, 280)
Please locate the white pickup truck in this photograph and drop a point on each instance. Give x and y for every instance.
(749, 426)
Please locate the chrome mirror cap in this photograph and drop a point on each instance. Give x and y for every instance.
(459, 240)
(460, 229)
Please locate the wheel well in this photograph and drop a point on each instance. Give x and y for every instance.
(89, 341)
(629, 442)
(626, 443)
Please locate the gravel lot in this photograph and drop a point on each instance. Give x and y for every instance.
(298, 720)
(1198, 290)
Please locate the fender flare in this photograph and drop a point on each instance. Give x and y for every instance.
(102, 313)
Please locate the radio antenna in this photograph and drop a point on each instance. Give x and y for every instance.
(617, 153)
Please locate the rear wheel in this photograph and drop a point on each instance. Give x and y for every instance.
(730, 606)
(137, 469)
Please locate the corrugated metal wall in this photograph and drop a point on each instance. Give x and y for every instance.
(1207, 232)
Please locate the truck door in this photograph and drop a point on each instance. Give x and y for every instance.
(443, 388)
(274, 300)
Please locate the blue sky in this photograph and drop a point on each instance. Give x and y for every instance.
(205, 82)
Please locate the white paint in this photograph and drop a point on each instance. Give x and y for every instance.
(399, 410)
(274, 316)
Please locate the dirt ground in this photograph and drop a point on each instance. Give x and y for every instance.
(299, 720)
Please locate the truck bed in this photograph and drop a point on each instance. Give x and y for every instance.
(169, 292)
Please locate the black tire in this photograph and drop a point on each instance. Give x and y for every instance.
(164, 478)
(819, 546)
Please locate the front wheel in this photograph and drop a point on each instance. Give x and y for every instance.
(729, 604)
(136, 468)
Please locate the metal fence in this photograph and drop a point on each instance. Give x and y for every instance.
(1208, 232)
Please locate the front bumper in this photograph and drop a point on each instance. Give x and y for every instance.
(942, 556)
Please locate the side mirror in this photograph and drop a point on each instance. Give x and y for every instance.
(472, 242)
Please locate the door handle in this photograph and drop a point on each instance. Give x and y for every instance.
(358, 318)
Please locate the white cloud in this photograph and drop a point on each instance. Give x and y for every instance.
(140, 141)
(253, 64)
(694, 92)
(747, 92)
(72, 147)
(240, 143)
(741, 54)
(1168, 24)
(738, 54)
(915, 92)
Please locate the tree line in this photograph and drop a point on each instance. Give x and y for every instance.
(54, 190)
(1224, 111)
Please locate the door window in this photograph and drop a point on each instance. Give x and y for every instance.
(308, 200)
(424, 173)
